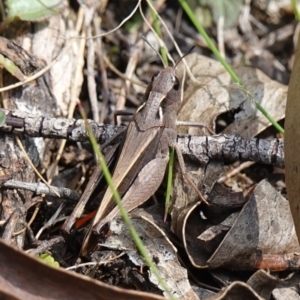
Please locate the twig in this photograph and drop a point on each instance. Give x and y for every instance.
(40, 188)
(51, 221)
(32, 165)
(102, 262)
(104, 87)
(90, 66)
(201, 148)
(231, 173)
(121, 75)
(45, 245)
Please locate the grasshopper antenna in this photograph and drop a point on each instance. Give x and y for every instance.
(183, 56)
(154, 50)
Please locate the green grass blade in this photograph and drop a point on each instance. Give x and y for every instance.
(158, 31)
(296, 10)
(169, 183)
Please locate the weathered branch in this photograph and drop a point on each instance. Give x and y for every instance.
(40, 188)
(202, 148)
(71, 129)
(232, 148)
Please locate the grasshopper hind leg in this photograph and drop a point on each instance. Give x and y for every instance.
(184, 172)
(144, 186)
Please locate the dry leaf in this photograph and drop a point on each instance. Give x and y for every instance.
(160, 249)
(262, 236)
(236, 291)
(218, 94)
(25, 277)
(291, 142)
(47, 45)
(263, 283)
(287, 289)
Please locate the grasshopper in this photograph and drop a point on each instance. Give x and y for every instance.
(145, 153)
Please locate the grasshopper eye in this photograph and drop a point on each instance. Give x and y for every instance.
(176, 84)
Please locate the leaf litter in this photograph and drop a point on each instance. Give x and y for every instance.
(246, 230)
